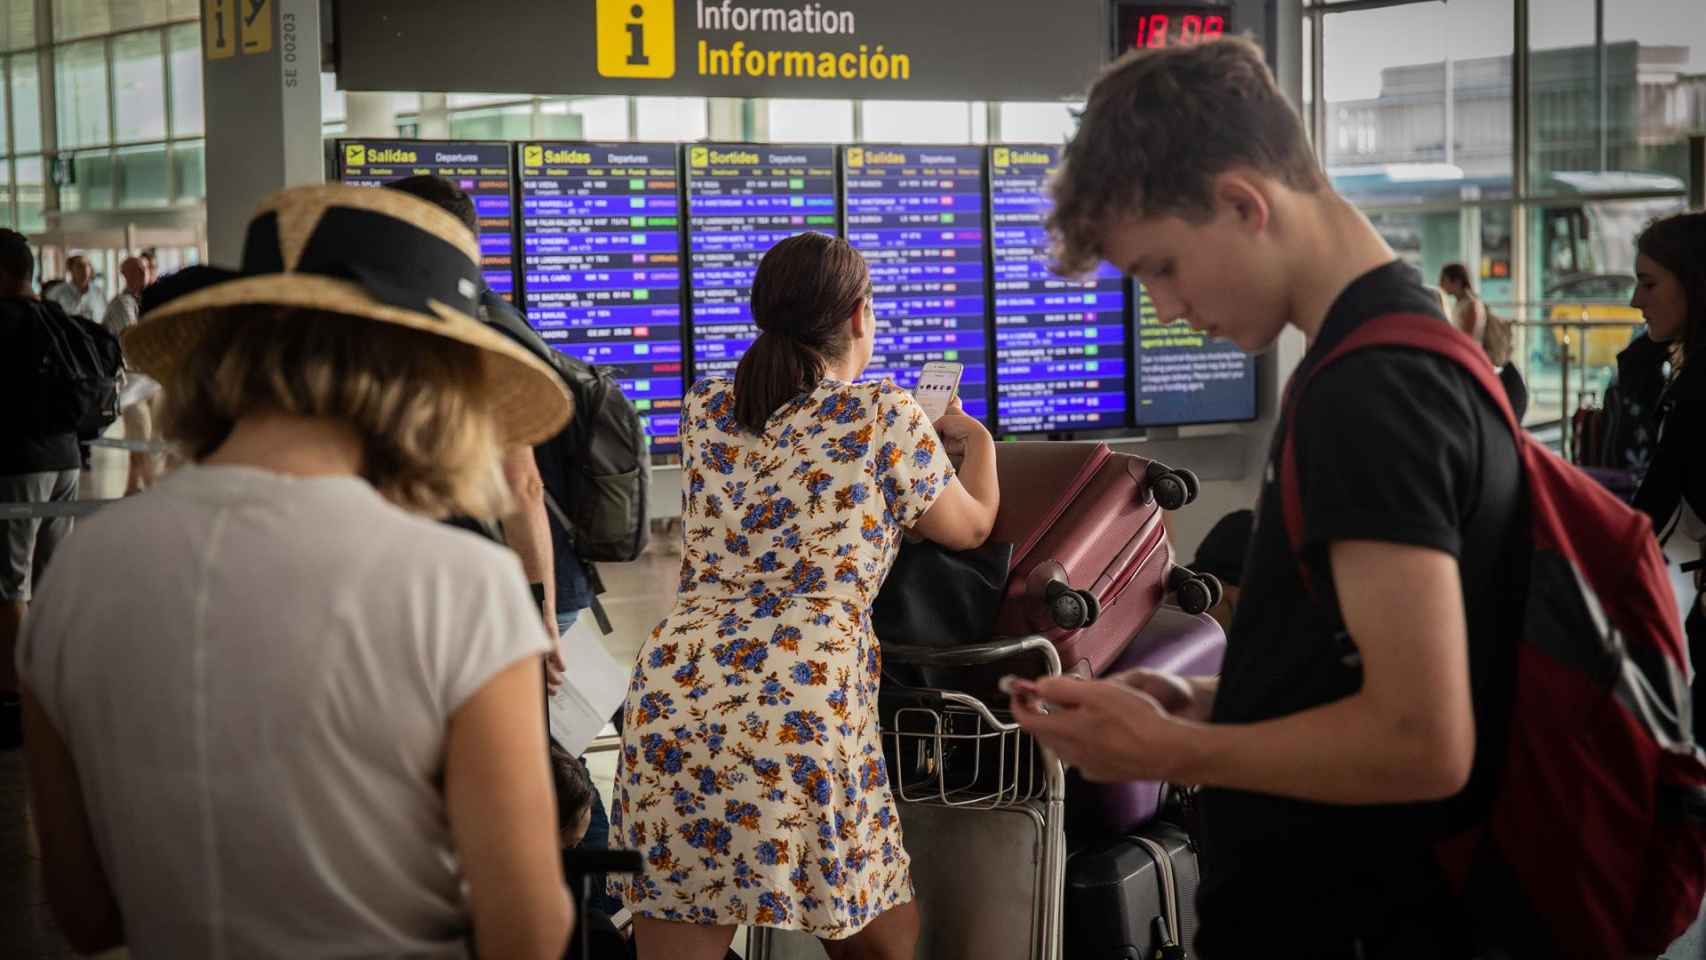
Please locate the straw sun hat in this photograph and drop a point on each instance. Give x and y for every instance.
(377, 255)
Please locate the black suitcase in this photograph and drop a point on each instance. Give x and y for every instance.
(1134, 898)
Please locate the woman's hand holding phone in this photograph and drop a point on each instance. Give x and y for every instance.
(957, 430)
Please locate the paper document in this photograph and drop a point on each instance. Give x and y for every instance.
(594, 685)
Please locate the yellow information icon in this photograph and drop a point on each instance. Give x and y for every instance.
(699, 156)
(636, 38)
(1001, 156)
(355, 155)
(855, 156)
(533, 155)
(221, 19)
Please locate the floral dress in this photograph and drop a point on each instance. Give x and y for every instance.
(751, 774)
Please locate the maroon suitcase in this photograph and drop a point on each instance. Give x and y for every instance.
(1091, 561)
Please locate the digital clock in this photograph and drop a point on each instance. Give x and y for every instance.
(1148, 26)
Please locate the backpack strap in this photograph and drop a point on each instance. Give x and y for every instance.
(1415, 331)
(555, 509)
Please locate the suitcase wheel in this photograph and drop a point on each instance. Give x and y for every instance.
(1216, 589)
(1192, 483)
(1171, 489)
(1072, 609)
(1196, 596)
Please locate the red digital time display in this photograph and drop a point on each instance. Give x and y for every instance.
(1146, 26)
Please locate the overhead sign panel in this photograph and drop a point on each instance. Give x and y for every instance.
(601, 266)
(1060, 344)
(1183, 377)
(741, 201)
(890, 49)
(482, 170)
(916, 214)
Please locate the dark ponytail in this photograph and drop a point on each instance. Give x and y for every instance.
(805, 290)
(1457, 273)
(1678, 243)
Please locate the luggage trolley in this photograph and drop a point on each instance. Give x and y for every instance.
(982, 810)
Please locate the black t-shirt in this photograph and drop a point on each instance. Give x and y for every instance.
(24, 448)
(1393, 445)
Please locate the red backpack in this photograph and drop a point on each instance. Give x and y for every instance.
(1599, 813)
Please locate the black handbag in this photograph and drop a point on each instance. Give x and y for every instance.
(936, 597)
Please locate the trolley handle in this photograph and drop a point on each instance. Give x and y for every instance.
(974, 654)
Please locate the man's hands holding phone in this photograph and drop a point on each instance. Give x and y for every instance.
(1136, 725)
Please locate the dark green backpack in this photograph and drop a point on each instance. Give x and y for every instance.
(597, 471)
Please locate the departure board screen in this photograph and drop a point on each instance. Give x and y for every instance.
(1184, 377)
(482, 170)
(1060, 345)
(917, 215)
(741, 200)
(601, 266)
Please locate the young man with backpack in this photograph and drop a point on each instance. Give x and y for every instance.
(58, 378)
(1378, 783)
(586, 487)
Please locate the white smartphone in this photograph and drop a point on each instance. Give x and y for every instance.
(937, 385)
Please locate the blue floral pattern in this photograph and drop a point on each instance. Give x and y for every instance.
(751, 773)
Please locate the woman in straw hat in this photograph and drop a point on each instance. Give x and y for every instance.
(272, 709)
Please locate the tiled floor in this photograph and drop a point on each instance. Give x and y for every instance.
(638, 596)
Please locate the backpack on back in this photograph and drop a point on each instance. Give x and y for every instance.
(608, 471)
(600, 462)
(1598, 817)
(77, 373)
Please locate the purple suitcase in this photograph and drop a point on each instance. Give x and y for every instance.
(1173, 642)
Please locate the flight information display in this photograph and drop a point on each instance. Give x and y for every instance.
(601, 266)
(482, 170)
(917, 215)
(1184, 377)
(741, 200)
(1060, 345)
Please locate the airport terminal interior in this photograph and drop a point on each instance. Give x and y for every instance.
(623, 202)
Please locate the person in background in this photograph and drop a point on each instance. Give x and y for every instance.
(1477, 321)
(121, 315)
(1670, 292)
(527, 528)
(547, 551)
(78, 296)
(123, 312)
(1352, 724)
(799, 482)
(273, 709)
(1222, 554)
(1471, 314)
(36, 466)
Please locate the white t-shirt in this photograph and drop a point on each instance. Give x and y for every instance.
(255, 673)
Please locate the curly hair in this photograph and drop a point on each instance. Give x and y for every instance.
(1158, 127)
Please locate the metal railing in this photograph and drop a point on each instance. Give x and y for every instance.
(1566, 352)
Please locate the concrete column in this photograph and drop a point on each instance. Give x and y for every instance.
(727, 119)
(261, 90)
(435, 116)
(371, 115)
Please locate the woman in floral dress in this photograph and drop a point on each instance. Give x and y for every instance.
(751, 773)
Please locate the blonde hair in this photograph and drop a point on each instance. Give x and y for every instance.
(419, 402)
